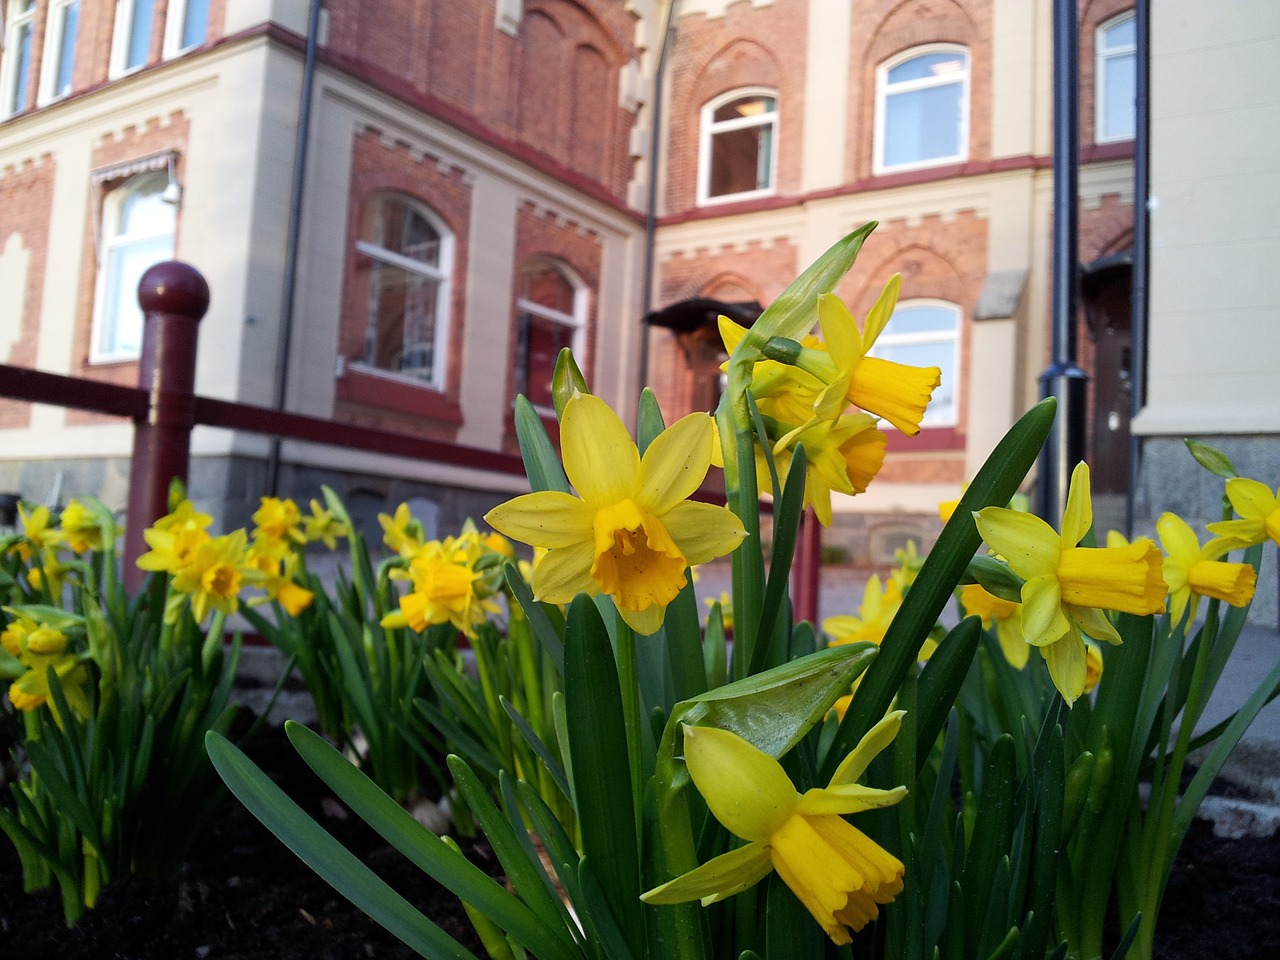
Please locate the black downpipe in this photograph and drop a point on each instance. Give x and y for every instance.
(1063, 378)
(651, 200)
(285, 341)
(1139, 307)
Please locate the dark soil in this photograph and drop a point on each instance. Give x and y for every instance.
(243, 896)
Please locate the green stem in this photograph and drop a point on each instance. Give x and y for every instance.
(629, 680)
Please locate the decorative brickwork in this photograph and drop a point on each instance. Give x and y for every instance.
(26, 200)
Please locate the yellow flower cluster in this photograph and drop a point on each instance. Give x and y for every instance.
(80, 530)
(806, 399)
(454, 580)
(39, 648)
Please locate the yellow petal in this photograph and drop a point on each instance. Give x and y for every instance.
(675, 463)
(1077, 518)
(704, 531)
(839, 331)
(882, 312)
(745, 788)
(1067, 665)
(1129, 578)
(1042, 618)
(1029, 544)
(895, 391)
(600, 459)
(644, 622)
(716, 879)
(1233, 583)
(564, 573)
(846, 799)
(1094, 623)
(868, 748)
(1016, 650)
(1252, 499)
(545, 519)
(730, 333)
(1177, 538)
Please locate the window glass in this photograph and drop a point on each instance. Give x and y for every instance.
(195, 23)
(138, 233)
(927, 335)
(17, 60)
(1116, 80)
(61, 27)
(404, 259)
(549, 314)
(738, 146)
(923, 110)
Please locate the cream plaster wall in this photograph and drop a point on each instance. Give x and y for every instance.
(1215, 223)
(826, 94)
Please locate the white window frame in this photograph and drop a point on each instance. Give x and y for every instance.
(1101, 54)
(708, 128)
(126, 13)
(576, 321)
(15, 21)
(55, 28)
(887, 341)
(884, 91)
(112, 242)
(176, 24)
(442, 274)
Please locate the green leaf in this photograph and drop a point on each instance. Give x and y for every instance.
(537, 616)
(598, 745)
(332, 861)
(541, 462)
(940, 682)
(787, 516)
(535, 742)
(649, 422)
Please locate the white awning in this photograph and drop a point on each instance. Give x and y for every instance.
(121, 171)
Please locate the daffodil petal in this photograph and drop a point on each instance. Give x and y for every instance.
(1077, 518)
(746, 789)
(1016, 650)
(839, 331)
(869, 747)
(1095, 623)
(675, 463)
(716, 879)
(832, 401)
(847, 798)
(564, 573)
(545, 519)
(600, 459)
(730, 332)
(1031, 546)
(1042, 618)
(644, 622)
(1068, 665)
(1252, 499)
(1177, 538)
(703, 531)
(882, 312)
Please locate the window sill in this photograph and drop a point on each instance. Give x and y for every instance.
(390, 392)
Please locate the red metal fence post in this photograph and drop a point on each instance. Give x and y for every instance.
(173, 296)
(807, 569)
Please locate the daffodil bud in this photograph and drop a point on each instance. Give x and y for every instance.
(1076, 791)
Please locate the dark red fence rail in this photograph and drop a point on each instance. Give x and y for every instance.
(164, 410)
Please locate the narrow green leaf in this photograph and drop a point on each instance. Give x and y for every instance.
(599, 918)
(332, 861)
(788, 513)
(541, 462)
(535, 742)
(537, 616)
(940, 682)
(566, 380)
(649, 422)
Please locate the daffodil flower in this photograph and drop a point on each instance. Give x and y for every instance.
(631, 533)
(173, 539)
(841, 456)
(81, 527)
(1068, 586)
(322, 525)
(37, 533)
(835, 870)
(781, 390)
(278, 519)
(215, 575)
(444, 591)
(1192, 571)
(880, 603)
(1004, 615)
(401, 531)
(1259, 511)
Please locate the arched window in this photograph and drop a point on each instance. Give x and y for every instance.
(922, 109)
(926, 333)
(738, 148)
(551, 311)
(1116, 79)
(406, 253)
(137, 232)
(20, 16)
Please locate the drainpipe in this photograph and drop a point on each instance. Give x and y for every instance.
(1139, 303)
(285, 341)
(1063, 378)
(651, 201)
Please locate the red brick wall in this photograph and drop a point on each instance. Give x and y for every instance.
(540, 234)
(156, 135)
(748, 47)
(26, 204)
(529, 89)
(886, 28)
(383, 166)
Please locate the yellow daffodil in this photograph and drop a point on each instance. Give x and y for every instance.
(1004, 615)
(907, 564)
(215, 575)
(780, 390)
(895, 391)
(278, 519)
(835, 870)
(1192, 571)
(1259, 511)
(322, 526)
(444, 591)
(726, 609)
(946, 508)
(880, 603)
(40, 647)
(1068, 586)
(841, 455)
(631, 533)
(277, 563)
(1092, 665)
(401, 531)
(174, 538)
(81, 527)
(50, 573)
(38, 534)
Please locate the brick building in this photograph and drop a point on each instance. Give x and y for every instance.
(477, 194)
